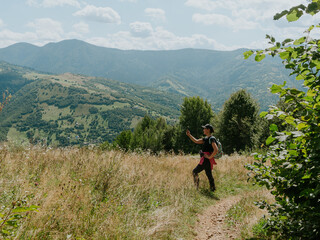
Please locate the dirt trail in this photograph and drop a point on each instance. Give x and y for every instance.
(211, 223)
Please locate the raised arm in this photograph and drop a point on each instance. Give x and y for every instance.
(193, 139)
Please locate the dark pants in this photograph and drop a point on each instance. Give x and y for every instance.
(207, 167)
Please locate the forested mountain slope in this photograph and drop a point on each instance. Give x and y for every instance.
(75, 109)
(213, 75)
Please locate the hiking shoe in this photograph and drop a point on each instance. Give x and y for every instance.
(212, 188)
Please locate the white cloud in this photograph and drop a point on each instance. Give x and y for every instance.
(211, 5)
(141, 29)
(99, 14)
(159, 39)
(204, 4)
(222, 20)
(248, 9)
(249, 15)
(81, 27)
(156, 13)
(47, 29)
(1, 23)
(53, 3)
(32, 2)
(8, 37)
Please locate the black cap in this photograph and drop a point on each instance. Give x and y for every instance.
(208, 126)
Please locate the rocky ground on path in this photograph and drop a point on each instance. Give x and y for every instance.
(211, 225)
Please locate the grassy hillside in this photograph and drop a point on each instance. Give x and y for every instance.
(211, 74)
(90, 194)
(73, 109)
(12, 77)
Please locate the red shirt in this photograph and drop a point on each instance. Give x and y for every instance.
(212, 161)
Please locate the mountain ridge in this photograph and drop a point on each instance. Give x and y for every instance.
(211, 74)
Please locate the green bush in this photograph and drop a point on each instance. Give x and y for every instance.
(291, 168)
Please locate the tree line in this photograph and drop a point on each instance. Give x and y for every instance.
(238, 126)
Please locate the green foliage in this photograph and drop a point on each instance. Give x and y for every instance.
(239, 124)
(195, 112)
(123, 140)
(296, 12)
(294, 151)
(149, 135)
(12, 217)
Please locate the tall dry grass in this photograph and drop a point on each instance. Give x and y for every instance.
(93, 194)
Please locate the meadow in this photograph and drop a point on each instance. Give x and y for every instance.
(82, 193)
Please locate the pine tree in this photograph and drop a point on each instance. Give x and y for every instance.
(195, 112)
(238, 125)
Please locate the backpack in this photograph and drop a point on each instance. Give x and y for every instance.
(219, 145)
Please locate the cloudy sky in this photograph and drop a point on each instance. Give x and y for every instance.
(149, 24)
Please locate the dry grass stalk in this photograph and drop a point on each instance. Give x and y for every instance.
(92, 194)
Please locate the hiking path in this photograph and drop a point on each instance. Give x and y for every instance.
(210, 223)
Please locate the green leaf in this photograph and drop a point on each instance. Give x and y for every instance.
(247, 54)
(312, 8)
(295, 91)
(294, 15)
(316, 62)
(270, 140)
(293, 153)
(299, 41)
(259, 57)
(263, 114)
(12, 223)
(302, 126)
(306, 118)
(311, 28)
(25, 209)
(290, 120)
(288, 40)
(273, 128)
(284, 55)
(280, 15)
(276, 88)
(299, 77)
(5, 232)
(307, 176)
(289, 98)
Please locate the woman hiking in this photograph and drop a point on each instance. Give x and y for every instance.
(209, 150)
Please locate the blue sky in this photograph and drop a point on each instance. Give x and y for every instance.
(149, 24)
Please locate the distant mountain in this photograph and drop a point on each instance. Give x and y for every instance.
(74, 109)
(213, 75)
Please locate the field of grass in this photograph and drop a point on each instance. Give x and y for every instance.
(93, 194)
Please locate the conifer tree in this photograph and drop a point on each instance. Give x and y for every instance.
(195, 112)
(238, 125)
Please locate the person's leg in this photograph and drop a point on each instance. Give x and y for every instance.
(195, 173)
(207, 168)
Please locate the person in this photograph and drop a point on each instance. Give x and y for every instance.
(209, 150)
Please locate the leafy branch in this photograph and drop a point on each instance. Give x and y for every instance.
(10, 219)
(293, 175)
